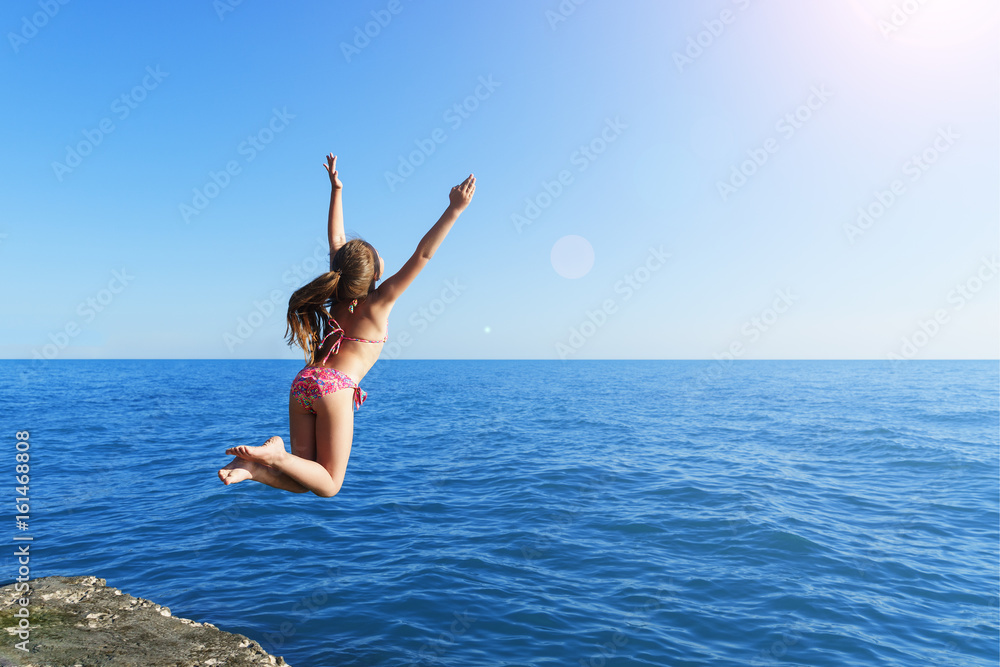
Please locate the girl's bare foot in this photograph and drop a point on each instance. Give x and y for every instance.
(272, 451)
(237, 471)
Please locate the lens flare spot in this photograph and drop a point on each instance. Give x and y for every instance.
(572, 256)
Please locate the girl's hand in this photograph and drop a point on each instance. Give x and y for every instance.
(462, 193)
(331, 166)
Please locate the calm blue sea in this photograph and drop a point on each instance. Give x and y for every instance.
(539, 512)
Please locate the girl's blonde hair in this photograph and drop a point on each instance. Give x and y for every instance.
(354, 268)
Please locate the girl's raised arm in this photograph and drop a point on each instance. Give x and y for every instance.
(394, 286)
(335, 220)
(458, 200)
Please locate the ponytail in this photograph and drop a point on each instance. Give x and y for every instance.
(308, 312)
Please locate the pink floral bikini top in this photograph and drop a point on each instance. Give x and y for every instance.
(336, 328)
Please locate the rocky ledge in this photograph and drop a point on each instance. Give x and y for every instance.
(81, 622)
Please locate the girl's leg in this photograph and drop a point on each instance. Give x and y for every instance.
(332, 433)
(302, 425)
(241, 469)
(308, 473)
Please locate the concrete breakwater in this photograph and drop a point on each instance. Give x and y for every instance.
(81, 621)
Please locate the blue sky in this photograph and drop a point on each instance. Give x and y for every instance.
(654, 180)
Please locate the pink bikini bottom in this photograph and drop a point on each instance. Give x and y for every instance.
(315, 381)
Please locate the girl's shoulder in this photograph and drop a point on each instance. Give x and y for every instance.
(378, 306)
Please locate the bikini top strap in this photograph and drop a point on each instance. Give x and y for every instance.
(335, 348)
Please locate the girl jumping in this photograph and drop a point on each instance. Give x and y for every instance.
(320, 415)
